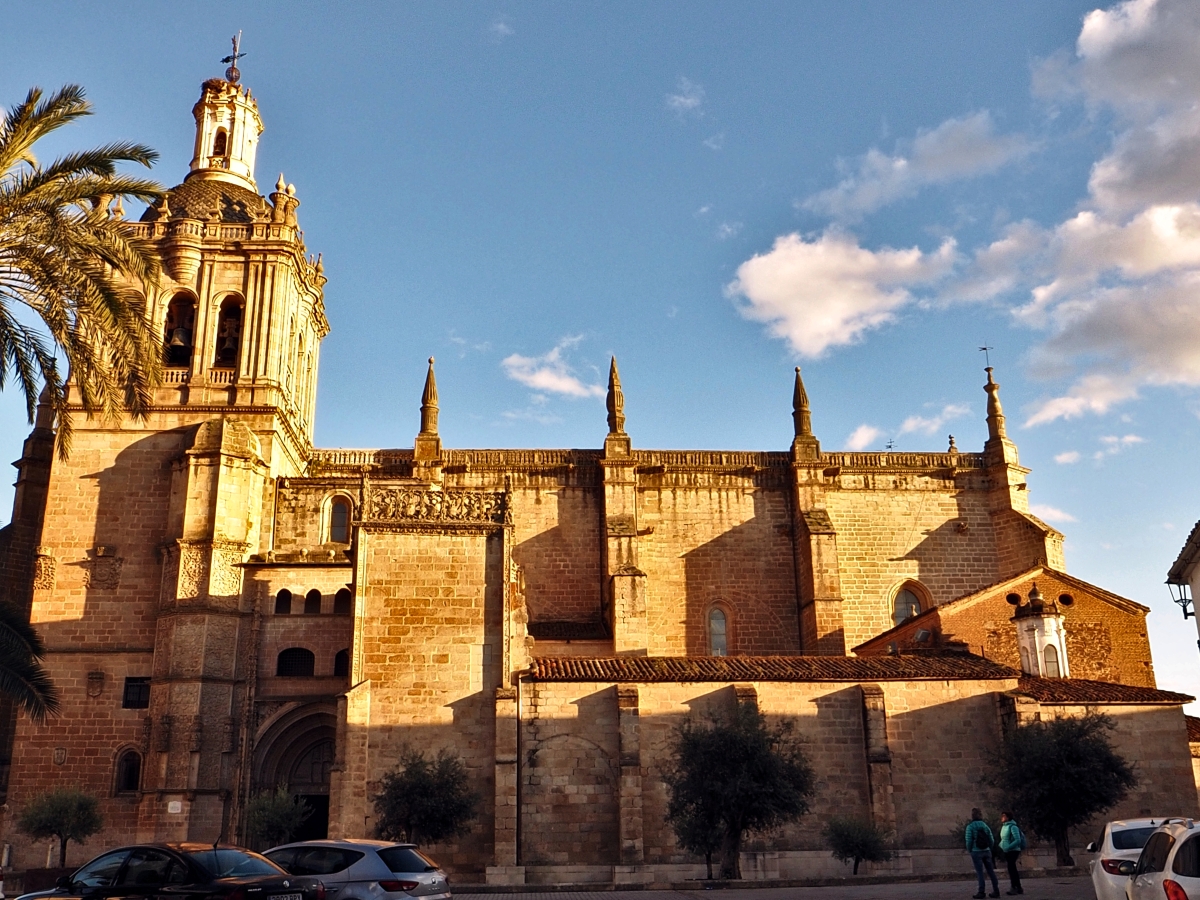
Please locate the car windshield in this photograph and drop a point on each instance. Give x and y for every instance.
(225, 862)
(1132, 838)
(406, 859)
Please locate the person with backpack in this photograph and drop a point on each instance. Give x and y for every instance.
(1012, 842)
(980, 842)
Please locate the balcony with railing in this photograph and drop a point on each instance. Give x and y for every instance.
(222, 376)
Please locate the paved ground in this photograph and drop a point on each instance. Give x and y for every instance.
(1077, 888)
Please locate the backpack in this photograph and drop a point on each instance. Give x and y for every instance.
(983, 840)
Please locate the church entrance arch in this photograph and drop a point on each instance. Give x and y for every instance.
(297, 749)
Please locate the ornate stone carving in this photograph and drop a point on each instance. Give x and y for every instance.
(196, 735)
(419, 505)
(226, 580)
(170, 573)
(45, 570)
(164, 734)
(103, 573)
(193, 571)
(95, 684)
(147, 730)
(229, 735)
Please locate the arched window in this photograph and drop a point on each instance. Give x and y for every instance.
(339, 521)
(718, 637)
(295, 662)
(129, 772)
(220, 143)
(283, 603)
(1051, 656)
(312, 603)
(343, 603)
(907, 605)
(341, 663)
(229, 333)
(177, 338)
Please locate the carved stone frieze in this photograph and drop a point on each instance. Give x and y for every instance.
(103, 573)
(170, 573)
(45, 570)
(421, 505)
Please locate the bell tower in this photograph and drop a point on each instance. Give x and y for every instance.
(240, 306)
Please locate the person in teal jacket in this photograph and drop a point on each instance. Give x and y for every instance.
(1012, 842)
(980, 844)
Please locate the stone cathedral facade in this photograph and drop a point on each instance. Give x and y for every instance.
(228, 608)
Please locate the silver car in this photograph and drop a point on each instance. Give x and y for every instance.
(365, 870)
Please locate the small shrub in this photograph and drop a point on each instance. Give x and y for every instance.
(856, 840)
(425, 800)
(272, 817)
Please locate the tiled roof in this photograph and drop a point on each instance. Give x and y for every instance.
(567, 631)
(1193, 726)
(645, 669)
(196, 198)
(1079, 691)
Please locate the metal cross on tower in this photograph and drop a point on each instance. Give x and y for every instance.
(232, 74)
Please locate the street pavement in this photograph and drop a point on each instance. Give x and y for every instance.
(1069, 888)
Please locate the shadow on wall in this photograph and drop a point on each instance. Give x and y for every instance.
(748, 575)
(561, 565)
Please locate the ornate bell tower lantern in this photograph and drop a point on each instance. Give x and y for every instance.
(1041, 637)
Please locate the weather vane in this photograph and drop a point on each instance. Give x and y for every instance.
(232, 74)
(984, 349)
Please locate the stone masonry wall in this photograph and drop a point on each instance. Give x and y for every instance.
(892, 528)
(430, 608)
(557, 545)
(725, 541)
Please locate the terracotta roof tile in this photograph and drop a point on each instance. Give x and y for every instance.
(647, 669)
(1080, 691)
(1193, 725)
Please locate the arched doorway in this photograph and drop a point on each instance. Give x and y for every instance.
(297, 749)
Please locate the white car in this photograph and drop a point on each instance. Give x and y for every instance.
(1121, 842)
(1169, 866)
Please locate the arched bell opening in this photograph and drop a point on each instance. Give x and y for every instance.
(297, 750)
(179, 329)
(229, 333)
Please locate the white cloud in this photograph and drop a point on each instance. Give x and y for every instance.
(828, 291)
(550, 372)
(1110, 445)
(863, 437)
(500, 29)
(689, 99)
(727, 230)
(1050, 513)
(933, 424)
(958, 148)
(715, 142)
(1067, 458)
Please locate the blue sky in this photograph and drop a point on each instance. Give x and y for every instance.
(716, 193)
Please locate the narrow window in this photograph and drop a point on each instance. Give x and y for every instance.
(129, 772)
(229, 333)
(1051, 655)
(295, 662)
(220, 142)
(343, 604)
(283, 603)
(907, 605)
(181, 316)
(717, 637)
(312, 603)
(1025, 667)
(137, 693)
(341, 663)
(339, 521)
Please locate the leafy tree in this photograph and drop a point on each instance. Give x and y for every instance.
(425, 800)
(72, 261)
(733, 777)
(855, 840)
(68, 814)
(272, 817)
(22, 678)
(1060, 773)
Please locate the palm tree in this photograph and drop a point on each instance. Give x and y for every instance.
(69, 257)
(22, 678)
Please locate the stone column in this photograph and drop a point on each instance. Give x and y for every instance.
(822, 628)
(506, 870)
(632, 868)
(879, 758)
(626, 582)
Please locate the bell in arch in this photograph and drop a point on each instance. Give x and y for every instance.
(181, 337)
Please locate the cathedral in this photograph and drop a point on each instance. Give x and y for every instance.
(227, 608)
